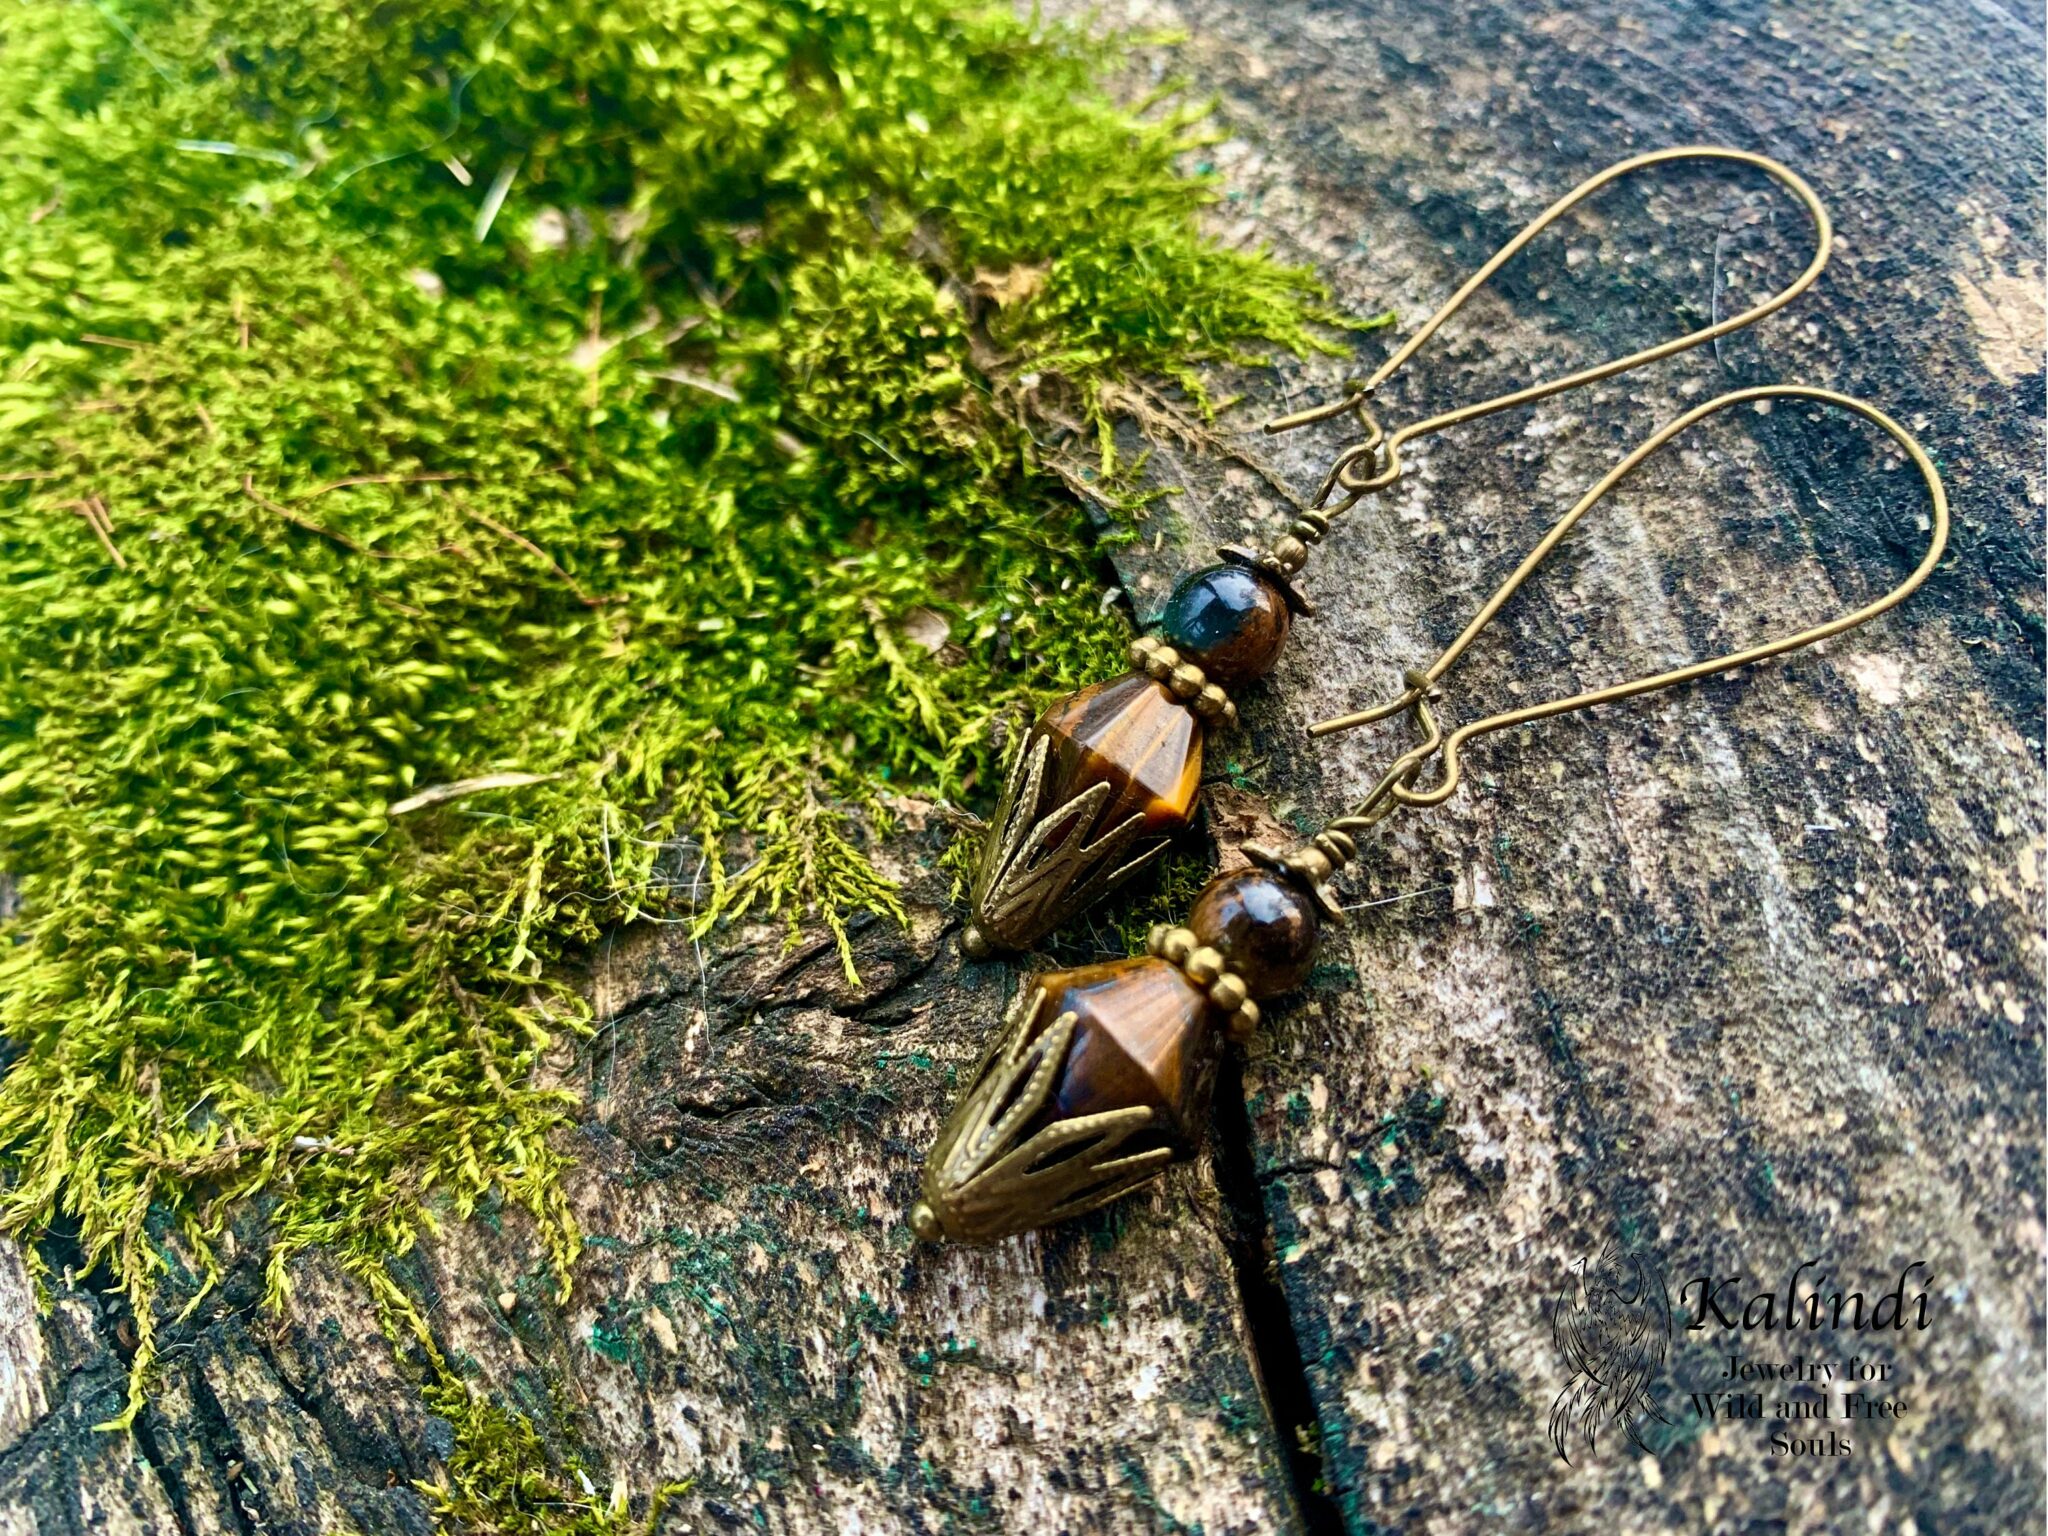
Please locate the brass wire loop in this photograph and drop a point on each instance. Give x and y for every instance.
(1397, 786)
(1374, 462)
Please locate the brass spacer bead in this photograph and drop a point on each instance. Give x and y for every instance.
(1289, 553)
(1155, 941)
(1154, 657)
(1212, 703)
(1229, 992)
(1173, 944)
(1187, 680)
(1309, 862)
(1243, 1022)
(1204, 966)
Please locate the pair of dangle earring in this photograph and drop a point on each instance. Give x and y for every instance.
(1108, 776)
(1101, 1076)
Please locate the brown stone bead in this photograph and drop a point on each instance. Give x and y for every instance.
(1105, 778)
(1229, 620)
(1144, 1035)
(1133, 734)
(1264, 925)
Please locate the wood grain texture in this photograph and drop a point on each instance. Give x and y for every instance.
(1746, 974)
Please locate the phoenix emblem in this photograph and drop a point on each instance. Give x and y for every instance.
(1612, 1325)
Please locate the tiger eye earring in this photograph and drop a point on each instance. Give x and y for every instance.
(1107, 776)
(1101, 1076)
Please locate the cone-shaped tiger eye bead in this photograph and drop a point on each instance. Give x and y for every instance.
(1263, 926)
(1144, 1037)
(1230, 620)
(1106, 776)
(1100, 1080)
(1134, 735)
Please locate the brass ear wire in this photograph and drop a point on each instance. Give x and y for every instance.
(1397, 786)
(1381, 452)
(1042, 1134)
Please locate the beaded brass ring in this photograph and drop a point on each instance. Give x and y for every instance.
(1206, 966)
(1103, 1074)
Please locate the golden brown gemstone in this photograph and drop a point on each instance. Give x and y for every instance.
(1134, 735)
(1262, 924)
(1103, 780)
(1100, 1080)
(1143, 1037)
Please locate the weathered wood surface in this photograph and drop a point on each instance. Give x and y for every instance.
(1746, 975)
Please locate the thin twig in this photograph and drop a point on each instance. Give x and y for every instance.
(438, 793)
(261, 500)
(344, 484)
(405, 608)
(494, 199)
(695, 381)
(320, 1144)
(94, 513)
(538, 553)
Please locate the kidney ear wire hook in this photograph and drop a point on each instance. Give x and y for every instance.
(1397, 787)
(1373, 462)
(1042, 1132)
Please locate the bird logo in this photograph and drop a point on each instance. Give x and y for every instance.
(1612, 1325)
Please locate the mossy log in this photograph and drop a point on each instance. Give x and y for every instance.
(1746, 975)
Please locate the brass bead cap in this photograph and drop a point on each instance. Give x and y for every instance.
(1268, 564)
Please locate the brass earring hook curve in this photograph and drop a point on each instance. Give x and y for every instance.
(1398, 783)
(1382, 450)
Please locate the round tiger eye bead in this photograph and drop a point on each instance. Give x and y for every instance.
(1229, 620)
(1262, 925)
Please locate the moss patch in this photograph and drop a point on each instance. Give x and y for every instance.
(477, 475)
(502, 1478)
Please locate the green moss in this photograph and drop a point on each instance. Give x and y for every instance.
(1165, 896)
(484, 475)
(502, 1479)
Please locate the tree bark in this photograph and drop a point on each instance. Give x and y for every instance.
(1737, 976)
